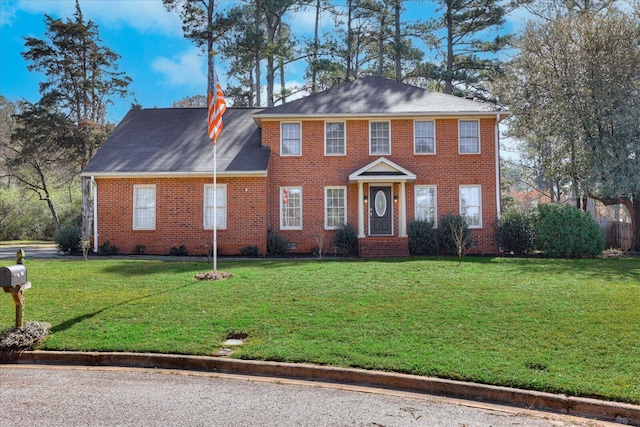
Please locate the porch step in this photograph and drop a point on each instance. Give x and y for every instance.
(383, 247)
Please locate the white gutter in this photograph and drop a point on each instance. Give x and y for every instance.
(94, 185)
(497, 149)
(248, 174)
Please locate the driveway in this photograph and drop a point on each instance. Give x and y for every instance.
(57, 396)
(31, 250)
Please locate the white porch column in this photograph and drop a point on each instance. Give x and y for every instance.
(402, 221)
(360, 211)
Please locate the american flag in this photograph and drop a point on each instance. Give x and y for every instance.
(217, 107)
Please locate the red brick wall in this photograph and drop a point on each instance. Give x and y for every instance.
(447, 169)
(179, 215)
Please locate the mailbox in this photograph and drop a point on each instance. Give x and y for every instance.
(13, 275)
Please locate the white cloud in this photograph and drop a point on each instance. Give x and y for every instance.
(7, 13)
(187, 68)
(145, 16)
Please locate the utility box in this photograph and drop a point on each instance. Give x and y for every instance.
(13, 275)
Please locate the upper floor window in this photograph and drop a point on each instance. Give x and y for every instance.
(291, 208)
(424, 140)
(379, 138)
(426, 203)
(291, 139)
(468, 136)
(217, 204)
(471, 205)
(334, 143)
(144, 207)
(335, 202)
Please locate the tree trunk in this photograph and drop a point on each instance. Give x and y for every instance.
(349, 41)
(634, 211)
(256, 20)
(314, 56)
(398, 42)
(448, 82)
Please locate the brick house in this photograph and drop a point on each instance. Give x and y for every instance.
(374, 153)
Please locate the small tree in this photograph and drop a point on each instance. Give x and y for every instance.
(454, 235)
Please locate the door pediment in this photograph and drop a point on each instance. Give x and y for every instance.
(382, 170)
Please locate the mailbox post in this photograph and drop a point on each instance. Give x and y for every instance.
(13, 280)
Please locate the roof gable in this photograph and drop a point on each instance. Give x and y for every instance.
(175, 141)
(377, 96)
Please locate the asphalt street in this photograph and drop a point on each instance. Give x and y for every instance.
(65, 396)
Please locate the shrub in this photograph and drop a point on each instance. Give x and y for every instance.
(107, 249)
(277, 244)
(346, 239)
(423, 238)
(179, 251)
(139, 249)
(516, 232)
(68, 238)
(566, 231)
(250, 251)
(455, 245)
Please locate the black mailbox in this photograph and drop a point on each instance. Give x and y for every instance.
(13, 275)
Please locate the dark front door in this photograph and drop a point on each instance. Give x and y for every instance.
(380, 211)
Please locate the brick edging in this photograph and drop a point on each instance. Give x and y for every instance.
(576, 406)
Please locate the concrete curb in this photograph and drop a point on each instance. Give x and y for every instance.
(559, 403)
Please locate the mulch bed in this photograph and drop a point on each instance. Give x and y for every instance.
(211, 275)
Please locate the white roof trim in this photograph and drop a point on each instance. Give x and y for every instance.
(386, 171)
(174, 174)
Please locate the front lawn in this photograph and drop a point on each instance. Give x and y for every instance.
(569, 326)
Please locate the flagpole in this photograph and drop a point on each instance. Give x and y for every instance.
(215, 175)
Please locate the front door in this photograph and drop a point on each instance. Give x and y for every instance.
(380, 211)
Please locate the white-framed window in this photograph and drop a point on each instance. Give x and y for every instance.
(217, 204)
(471, 205)
(291, 139)
(334, 139)
(335, 207)
(426, 203)
(424, 137)
(290, 208)
(468, 137)
(379, 138)
(144, 207)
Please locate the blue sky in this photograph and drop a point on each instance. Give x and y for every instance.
(164, 66)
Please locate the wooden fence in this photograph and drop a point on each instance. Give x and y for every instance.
(618, 235)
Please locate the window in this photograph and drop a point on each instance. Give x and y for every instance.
(426, 203)
(334, 139)
(468, 136)
(217, 204)
(335, 207)
(144, 207)
(291, 208)
(291, 144)
(424, 141)
(471, 205)
(379, 138)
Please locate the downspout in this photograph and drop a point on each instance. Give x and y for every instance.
(94, 185)
(497, 150)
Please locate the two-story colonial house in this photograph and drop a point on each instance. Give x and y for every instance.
(374, 153)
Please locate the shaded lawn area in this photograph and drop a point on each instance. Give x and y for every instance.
(569, 326)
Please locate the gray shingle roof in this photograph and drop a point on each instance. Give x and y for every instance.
(376, 95)
(175, 141)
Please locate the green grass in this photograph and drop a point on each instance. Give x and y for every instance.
(569, 326)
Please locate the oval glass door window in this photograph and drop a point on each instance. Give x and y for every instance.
(381, 203)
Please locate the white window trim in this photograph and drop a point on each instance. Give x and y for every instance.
(479, 137)
(155, 206)
(344, 124)
(379, 121)
(281, 138)
(282, 227)
(435, 200)
(326, 217)
(434, 139)
(479, 187)
(204, 206)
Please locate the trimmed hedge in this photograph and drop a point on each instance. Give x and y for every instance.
(516, 232)
(423, 238)
(566, 231)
